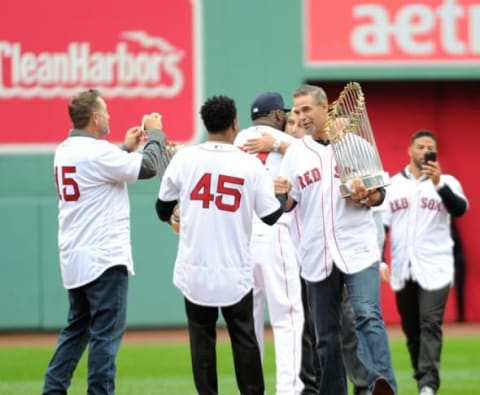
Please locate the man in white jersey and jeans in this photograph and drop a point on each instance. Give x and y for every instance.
(94, 238)
(276, 273)
(219, 188)
(418, 208)
(354, 368)
(338, 248)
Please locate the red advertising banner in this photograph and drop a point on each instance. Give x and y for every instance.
(360, 32)
(142, 56)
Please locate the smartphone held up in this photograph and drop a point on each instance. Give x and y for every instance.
(430, 156)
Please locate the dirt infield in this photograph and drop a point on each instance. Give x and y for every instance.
(181, 335)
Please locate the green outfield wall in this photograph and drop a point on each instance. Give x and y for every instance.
(247, 47)
(245, 50)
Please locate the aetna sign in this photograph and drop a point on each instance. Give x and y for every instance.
(392, 31)
(142, 57)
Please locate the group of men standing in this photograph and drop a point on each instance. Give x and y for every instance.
(261, 220)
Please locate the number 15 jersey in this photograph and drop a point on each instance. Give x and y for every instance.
(93, 208)
(219, 187)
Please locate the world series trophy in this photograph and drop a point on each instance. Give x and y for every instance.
(352, 141)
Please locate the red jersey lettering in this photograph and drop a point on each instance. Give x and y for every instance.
(309, 177)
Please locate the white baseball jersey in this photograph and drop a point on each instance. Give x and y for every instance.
(334, 231)
(94, 209)
(271, 160)
(276, 278)
(421, 244)
(219, 188)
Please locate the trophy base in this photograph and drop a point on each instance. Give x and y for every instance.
(374, 181)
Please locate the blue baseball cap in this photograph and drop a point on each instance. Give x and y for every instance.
(266, 102)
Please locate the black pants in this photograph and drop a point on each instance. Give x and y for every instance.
(309, 366)
(246, 353)
(421, 313)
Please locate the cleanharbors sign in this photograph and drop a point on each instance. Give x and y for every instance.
(143, 56)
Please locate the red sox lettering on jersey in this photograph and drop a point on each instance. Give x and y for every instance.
(425, 203)
(309, 177)
(416, 216)
(313, 175)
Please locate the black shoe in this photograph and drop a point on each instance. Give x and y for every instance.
(381, 387)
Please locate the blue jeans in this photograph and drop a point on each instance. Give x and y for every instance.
(96, 317)
(325, 299)
(355, 370)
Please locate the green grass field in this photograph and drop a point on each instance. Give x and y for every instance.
(153, 369)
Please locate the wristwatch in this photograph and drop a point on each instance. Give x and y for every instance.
(276, 145)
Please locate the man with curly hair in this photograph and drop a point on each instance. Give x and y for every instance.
(219, 188)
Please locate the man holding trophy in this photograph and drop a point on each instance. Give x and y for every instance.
(339, 247)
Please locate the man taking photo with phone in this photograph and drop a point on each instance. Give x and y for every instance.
(418, 208)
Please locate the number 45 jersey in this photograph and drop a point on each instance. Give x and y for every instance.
(93, 208)
(219, 188)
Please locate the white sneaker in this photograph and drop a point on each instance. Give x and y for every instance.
(427, 391)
